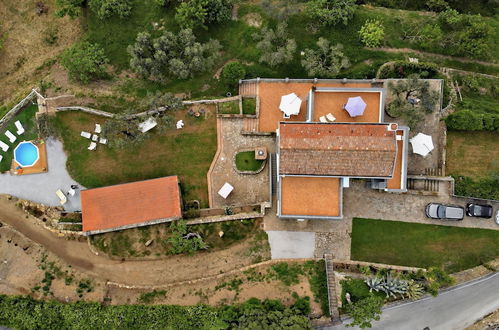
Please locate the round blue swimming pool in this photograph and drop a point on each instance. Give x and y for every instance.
(26, 154)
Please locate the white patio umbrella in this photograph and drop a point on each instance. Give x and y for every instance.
(290, 104)
(422, 144)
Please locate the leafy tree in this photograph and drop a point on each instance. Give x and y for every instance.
(372, 33)
(176, 55)
(330, 12)
(431, 34)
(200, 13)
(364, 311)
(109, 8)
(164, 3)
(180, 242)
(275, 46)
(84, 61)
(161, 101)
(232, 73)
(71, 8)
(325, 61)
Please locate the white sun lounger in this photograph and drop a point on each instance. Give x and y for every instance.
(12, 137)
(98, 128)
(4, 146)
(102, 141)
(330, 117)
(20, 128)
(61, 196)
(86, 135)
(92, 146)
(1, 157)
(323, 119)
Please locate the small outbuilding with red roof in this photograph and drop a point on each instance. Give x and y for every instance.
(130, 205)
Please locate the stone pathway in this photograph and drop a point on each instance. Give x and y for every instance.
(41, 188)
(248, 188)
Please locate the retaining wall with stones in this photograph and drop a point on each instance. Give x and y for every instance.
(5, 121)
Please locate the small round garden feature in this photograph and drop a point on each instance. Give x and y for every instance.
(26, 154)
(246, 162)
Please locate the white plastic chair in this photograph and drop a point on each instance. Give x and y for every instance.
(12, 137)
(98, 128)
(20, 128)
(4, 146)
(92, 146)
(323, 119)
(330, 117)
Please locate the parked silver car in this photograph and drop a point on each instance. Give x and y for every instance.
(444, 212)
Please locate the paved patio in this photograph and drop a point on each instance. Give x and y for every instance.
(41, 188)
(291, 245)
(248, 188)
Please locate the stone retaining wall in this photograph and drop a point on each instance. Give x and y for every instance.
(5, 121)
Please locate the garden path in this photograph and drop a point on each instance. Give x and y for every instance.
(41, 188)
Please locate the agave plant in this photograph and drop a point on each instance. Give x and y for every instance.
(414, 290)
(375, 283)
(393, 286)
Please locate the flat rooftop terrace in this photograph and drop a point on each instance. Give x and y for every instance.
(310, 196)
(270, 94)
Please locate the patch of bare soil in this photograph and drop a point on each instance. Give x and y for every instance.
(253, 19)
(21, 271)
(489, 322)
(32, 42)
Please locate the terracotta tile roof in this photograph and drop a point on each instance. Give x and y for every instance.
(362, 150)
(107, 208)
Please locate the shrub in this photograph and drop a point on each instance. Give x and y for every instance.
(199, 13)
(464, 120)
(109, 8)
(275, 46)
(435, 279)
(232, 73)
(84, 62)
(182, 244)
(318, 284)
(372, 33)
(176, 55)
(326, 61)
(286, 273)
(71, 8)
(330, 12)
(481, 188)
(403, 69)
(364, 311)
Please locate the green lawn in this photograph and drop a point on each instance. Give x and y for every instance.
(249, 106)
(28, 120)
(245, 161)
(421, 245)
(187, 153)
(231, 107)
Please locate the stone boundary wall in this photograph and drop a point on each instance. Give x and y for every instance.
(208, 278)
(232, 217)
(352, 263)
(5, 121)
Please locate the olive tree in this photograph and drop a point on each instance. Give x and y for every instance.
(275, 46)
(172, 55)
(325, 61)
(330, 12)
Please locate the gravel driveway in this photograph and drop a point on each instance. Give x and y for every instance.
(41, 188)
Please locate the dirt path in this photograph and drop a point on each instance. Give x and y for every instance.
(410, 50)
(145, 273)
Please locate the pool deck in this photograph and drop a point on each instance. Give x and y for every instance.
(41, 165)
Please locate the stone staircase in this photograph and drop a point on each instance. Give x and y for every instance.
(331, 288)
(250, 125)
(428, 185)
(433, 172)
(248, 88)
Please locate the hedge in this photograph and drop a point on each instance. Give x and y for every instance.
(24, 312)
(467, 120)
(483, 188)
(403, 69)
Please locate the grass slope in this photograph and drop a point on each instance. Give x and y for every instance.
(421, 245)
(187, 153)
(27, 119)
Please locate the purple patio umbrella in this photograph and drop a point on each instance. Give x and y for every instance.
(355, 106)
